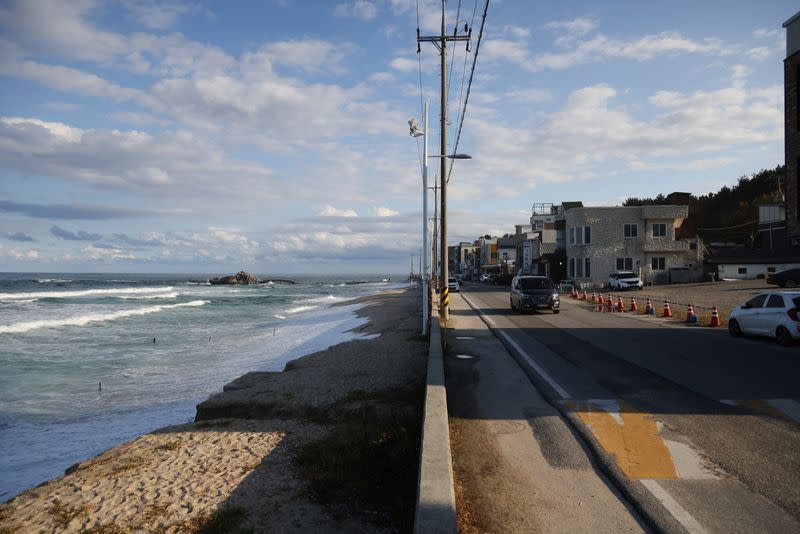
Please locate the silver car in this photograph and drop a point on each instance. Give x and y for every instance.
(768, 314)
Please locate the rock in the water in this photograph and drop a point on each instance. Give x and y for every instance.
(241, 277)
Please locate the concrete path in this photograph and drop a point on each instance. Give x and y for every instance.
(519, 467)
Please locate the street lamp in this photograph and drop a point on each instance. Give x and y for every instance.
(416, 132)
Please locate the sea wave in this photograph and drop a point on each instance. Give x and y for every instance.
(53, 281)
(172, 295)
(299, 309)
(84, 293)
(83, 320)
(328, 300)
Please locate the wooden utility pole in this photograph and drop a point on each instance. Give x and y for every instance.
(440, 42)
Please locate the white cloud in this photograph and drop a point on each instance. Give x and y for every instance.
(763, 33)
(162, 14)
(573, 29)
(386, 212)
(362, 9)
(517, 31)
(330, 211)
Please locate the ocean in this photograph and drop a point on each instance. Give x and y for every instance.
(90, 361)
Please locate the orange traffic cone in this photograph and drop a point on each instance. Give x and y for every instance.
(600, 300)
(620, 305)
(610, 307)
(667, 311)
(574, 293)
(690, 316)
(633, 305)
(648, 309)
(594, 297)
(585, 296)
(715, 316)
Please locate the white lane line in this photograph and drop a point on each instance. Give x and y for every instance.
(678, 512)
(788, 407)
(541, 372)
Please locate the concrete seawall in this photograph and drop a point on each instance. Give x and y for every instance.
(436, 505)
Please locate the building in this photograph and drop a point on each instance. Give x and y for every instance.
(791, 98)
(635, 238)
(742, 263)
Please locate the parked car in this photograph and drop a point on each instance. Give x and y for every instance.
(787, 278)
(624, 280)
(533, 292)
(452, 284)
(768, 314)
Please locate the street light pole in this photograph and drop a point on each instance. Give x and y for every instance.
(425, 291)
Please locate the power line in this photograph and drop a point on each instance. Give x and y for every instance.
(729, 227)
(464, 68)
(469, 87)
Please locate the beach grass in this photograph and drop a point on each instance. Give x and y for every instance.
(362, 466)
(64, 513)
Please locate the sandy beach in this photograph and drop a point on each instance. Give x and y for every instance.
(321, 447)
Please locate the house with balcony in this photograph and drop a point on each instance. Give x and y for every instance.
(641, 239)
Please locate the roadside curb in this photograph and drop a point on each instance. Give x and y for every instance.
(436, 502)
(636, 495)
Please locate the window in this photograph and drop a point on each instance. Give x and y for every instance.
(580, 235)
(755, 302)
(631, 230)
(587, 271)
(775, 301)
(770, 269)
(742, 270)
(578, 269)
(660, 230)
(572, 267)
(658, 264)
(624, 264)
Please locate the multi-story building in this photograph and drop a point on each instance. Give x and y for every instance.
(791, 99)
(488, 257)
(635, 238)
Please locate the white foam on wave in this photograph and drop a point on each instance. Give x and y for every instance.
(279, 316)
(326, 300)
(84, 293)
(172, 295)
(83, 320)
(53, 281)
(299, 309)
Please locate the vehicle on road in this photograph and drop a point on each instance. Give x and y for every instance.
(768, 314)
(532, 293)
(452, 284)
(787, 278)
(624, 280)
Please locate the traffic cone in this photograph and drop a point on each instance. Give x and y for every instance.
(648, 309)
(574, 293)
(594, 297)
(600, 300)
(585, 296)
(633, 305)
(690, 316)
(610, 307)
(620, 304)
(667, 311)
(715, 316)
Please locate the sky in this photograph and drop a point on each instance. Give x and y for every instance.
(272, 135)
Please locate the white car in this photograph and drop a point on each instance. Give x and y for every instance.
(768, 314)
(452, 284)
(624, 280)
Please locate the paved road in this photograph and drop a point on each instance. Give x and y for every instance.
(700, 431)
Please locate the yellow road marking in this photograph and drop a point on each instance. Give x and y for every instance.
(635, 444)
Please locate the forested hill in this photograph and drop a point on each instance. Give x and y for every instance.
(730, 214)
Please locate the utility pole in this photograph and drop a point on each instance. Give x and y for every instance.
(440, 42)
